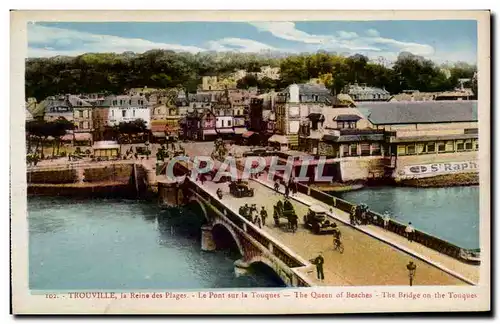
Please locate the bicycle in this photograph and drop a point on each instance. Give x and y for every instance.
(338, 246)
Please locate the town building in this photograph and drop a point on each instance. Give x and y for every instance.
(59, 106)
(125, 108)
(365, 93)
(427, 138)
(292, 106)
(269, 72)
(217, 83)
(28, 115)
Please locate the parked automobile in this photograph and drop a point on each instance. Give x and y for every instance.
(240, 189)
(316, 219)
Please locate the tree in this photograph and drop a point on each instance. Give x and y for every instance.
(58, 129)
(266, 84)
(132, 128)
(247, 81)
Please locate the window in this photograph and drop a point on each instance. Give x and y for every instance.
(133, 112)
(124, 112)
(430, 147)
(460, 145)
(80, 125)
(365, 149)
(476, 144)
(112, 113)
(81, 113)
(340, 124)
(376, 149)
(420, 148)
(410, 149)
(353, 149)
(450, 146)
(130, 101)
(468, 145)
(441, 147)
(222, 122)
(228, 123)
(85, 125)
(352, 124)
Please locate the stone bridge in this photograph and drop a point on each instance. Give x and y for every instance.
(223, 223)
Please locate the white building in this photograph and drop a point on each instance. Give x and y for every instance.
(127, 108)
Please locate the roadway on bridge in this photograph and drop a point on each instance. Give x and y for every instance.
(365, 261)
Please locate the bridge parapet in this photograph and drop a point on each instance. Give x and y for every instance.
(394, 226)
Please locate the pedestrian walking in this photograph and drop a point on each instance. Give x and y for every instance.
(257, 220)
(319, 261)
(287, 191)
(409, 230)
(295, 186)
(263, 215)
(386, 219)
(352, 216)
(276, 186)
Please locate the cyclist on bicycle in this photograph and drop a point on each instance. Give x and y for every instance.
(336, 235)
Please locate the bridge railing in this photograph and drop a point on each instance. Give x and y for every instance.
(280, 252)
(394, 226)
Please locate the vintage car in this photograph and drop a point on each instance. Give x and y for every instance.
(240, 189)
(317, 220)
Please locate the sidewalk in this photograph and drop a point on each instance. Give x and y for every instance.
(467, 272)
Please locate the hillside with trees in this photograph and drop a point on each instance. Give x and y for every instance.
(114, 73)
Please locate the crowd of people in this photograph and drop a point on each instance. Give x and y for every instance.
(252, 214)
(291, 186)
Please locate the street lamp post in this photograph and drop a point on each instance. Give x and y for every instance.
(147, 150)
(412, 268)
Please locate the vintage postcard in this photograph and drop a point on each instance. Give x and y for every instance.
(232, 162)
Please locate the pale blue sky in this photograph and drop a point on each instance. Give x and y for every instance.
(440, 40)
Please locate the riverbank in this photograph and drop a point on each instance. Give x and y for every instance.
(446, 180)
(339, 187)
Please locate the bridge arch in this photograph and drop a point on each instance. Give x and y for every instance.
(194, 201)
(218, 227)
(264, 262)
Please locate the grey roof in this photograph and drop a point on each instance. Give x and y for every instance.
(347, 117)
(127, 101)
(307, 91)
(383, 113)
(355, 89)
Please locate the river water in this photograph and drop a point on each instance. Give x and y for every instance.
(449, 213)
(124, 244)
(130, 245)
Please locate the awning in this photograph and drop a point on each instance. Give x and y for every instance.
(248, 134)
(240, 130)
(279, 139)
(316, 117)
(83, 136)
(209, 132)
(347, 117)
(159, 134)
(410, 139)
(225, 131)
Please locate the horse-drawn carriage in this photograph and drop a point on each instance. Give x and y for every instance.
(285, 210)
